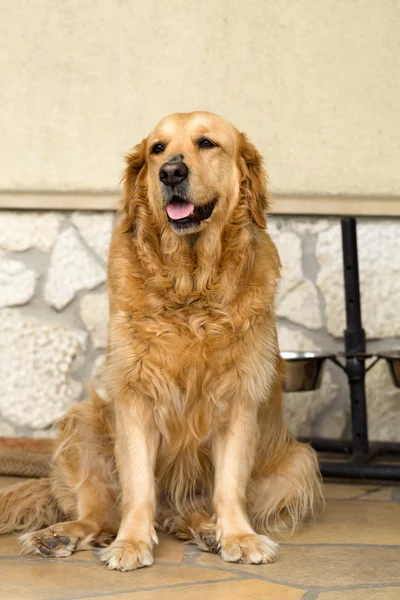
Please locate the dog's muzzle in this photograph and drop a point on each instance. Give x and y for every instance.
(184, 214)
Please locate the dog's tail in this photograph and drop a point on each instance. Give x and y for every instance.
(290, 494)
(28, 506)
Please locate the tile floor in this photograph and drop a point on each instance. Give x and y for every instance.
(352, 553)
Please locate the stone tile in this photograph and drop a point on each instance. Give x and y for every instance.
(169, 549)
(45, 579)
(386, 593)
(355, 522)
(9, 545)
(84, 556)
(396, 494)
(346, 491)
(384, 494)
(253, 589)
(324, 566)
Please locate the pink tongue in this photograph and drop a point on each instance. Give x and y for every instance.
(179, 210)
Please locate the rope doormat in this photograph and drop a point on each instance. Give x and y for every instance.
(25, 458)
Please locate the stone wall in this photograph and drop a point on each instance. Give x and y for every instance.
(53, 316)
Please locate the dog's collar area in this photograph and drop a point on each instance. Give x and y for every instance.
(198, 214)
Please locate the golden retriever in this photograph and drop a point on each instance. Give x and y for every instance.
(190, 438)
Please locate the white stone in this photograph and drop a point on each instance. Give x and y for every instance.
(302, 409)
(289, 248)
(6, 430)
(35, 361)
(333, 424)
(301, 305)
(20, 231)
(383, 402)
(297, 298)
(72, 269)
(48, 434)
(294, 340)
(94, 314)
(17, 282)
(276, 225)
(96, 230)
(97, 378)
(379, 264)
(309, 226)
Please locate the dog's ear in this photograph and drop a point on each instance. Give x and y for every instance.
(253, 183)
(132, 186)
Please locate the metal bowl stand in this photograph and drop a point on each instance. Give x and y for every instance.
(359, 457)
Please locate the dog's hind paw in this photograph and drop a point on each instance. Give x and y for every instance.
(48, 543)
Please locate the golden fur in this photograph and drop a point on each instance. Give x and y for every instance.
(190, 437)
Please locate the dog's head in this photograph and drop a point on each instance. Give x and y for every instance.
(192, 170)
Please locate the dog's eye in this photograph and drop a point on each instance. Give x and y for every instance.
(205, 143)
(158, 148)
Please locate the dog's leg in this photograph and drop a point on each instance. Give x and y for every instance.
(136, 447)
(286, 485)
(196, 527)
(82, 483)
(94, 527)
(234, 452)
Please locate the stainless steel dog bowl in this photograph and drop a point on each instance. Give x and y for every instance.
(303, 370)
(392, 358)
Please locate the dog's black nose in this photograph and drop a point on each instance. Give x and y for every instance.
(173, 173)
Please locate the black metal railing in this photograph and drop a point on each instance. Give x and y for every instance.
(359, 457)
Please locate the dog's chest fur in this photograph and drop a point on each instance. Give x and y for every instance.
(189, 352)
(176, 342)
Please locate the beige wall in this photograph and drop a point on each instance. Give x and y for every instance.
(315, 83)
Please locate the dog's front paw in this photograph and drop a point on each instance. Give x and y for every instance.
(124, 555)
(248, 548)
